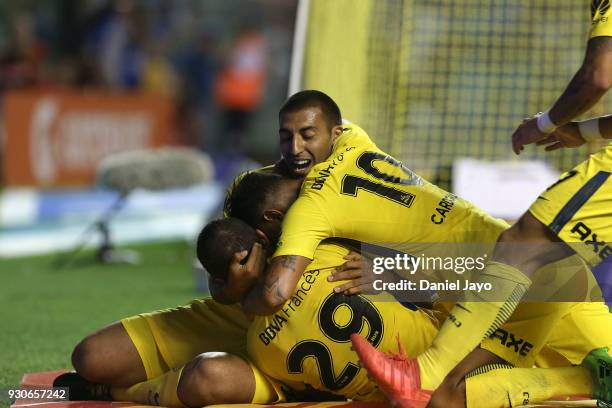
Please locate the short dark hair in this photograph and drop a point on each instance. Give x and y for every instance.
(252, 195)
(219, 240)
(311, 98)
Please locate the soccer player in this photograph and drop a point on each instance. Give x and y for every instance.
(387, 203)
(191, 355)
(287, 346)
(143, 348)
(186, 356)
(361, 193)
(573, 216)
(306, 341)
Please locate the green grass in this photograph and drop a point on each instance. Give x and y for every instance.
(45, 312)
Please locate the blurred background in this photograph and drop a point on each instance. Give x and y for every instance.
(81, 81)
(123, 121)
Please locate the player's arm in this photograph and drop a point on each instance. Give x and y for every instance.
(304, 227)
(589, 84)
(575, 134)
(276, 286)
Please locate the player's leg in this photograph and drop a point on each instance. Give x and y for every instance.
(576, 210)
(155, 343)
(168, 339)
(520, 342)
(521, 250)
(119, 355)
(517, 342)
(508, 387)
(109, 356)
(208, 379)
(574, 214)
(211, 378)
(586, 326)
(528, 245)
(452, 392)
(581, 338)
(508, 343)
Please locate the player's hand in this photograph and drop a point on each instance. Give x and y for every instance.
(244, 270)
(564, 136)
(247, 265)
(525, 134)
(358, 271)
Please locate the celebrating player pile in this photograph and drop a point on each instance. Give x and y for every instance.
(192, 356)
(333, 182)
(576, 210)
(352, 178)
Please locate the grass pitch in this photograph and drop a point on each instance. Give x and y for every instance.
(45, 312)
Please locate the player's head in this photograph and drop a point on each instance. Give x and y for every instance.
(309, 124)
(261, 199)
(218, 242)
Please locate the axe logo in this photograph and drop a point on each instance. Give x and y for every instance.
(509, 340)
(590, 238)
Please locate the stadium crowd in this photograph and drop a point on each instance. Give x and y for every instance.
(210, 59)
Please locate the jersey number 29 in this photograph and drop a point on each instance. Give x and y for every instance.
(362, 311)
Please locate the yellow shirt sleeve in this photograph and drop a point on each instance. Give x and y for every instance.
(601, 13)
(304, 227)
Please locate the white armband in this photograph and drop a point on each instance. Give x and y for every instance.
(589, 130)
(545, 124)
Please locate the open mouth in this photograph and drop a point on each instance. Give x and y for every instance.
(300, 164)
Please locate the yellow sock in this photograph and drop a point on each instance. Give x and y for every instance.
(476, 317)
(522, 386)
(161, 390)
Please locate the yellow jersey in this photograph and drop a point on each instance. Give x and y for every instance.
(361, 193)
(601, 12)
(307, 342)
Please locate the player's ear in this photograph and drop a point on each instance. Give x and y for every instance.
(337, 132)
(273, 215)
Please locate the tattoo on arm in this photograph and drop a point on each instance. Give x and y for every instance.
(288, 262)
(272, 280)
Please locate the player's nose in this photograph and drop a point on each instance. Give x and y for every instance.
(297, 145)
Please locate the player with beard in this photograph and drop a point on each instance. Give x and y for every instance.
(363, 194)
(131, 357)
(307, 340)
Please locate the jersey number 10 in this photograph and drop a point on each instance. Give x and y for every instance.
(351, 184)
